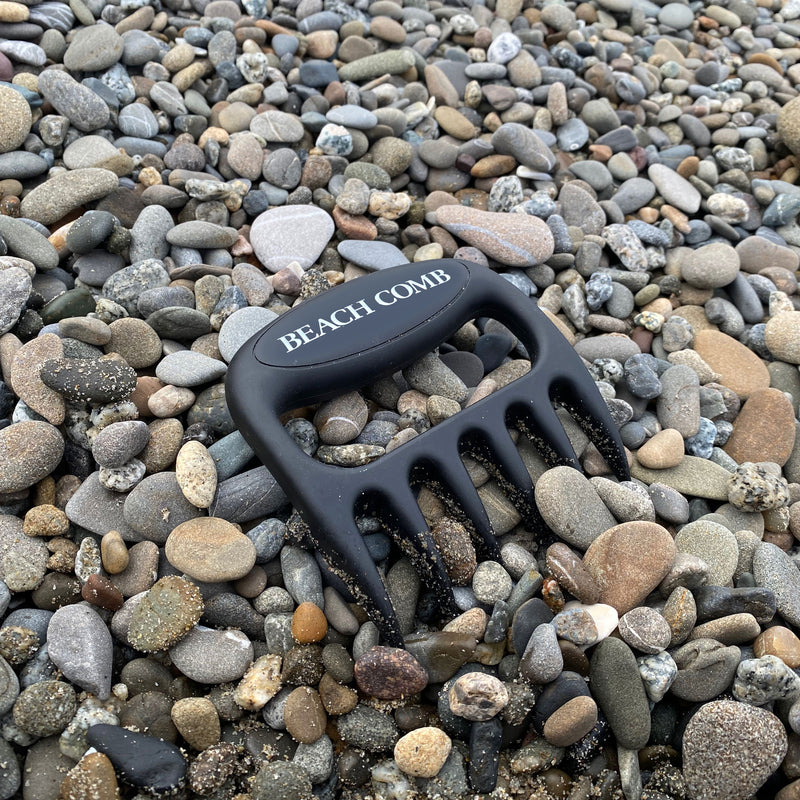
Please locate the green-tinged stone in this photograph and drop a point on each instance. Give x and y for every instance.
(392, 62)
(73, 303)
(441, 653)
(697, 477)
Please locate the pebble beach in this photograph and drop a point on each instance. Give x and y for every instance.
(177, 174)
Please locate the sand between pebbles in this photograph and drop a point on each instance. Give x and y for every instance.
(174, 176)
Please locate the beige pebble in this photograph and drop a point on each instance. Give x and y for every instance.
(422, 752)
(662, 451)
(196, 474)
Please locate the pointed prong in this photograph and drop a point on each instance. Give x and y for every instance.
(544, 427)
(589, 410)
(348, 560)
(506, 458)
(458, 482)
(414, 538)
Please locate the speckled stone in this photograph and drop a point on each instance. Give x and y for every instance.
(730, 749)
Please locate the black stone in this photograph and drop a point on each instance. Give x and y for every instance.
(567, 686)
(530, 615)
(467, 366)
(492, 348)
(90, 231)
(142, 761)
(228, 610)
(83, 379)
(485, 739)
(714, 602)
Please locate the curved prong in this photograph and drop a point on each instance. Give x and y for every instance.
(348, 560)
(458, 483)
(413, 536)
(506, 458)
(587, 407)
(542, 425)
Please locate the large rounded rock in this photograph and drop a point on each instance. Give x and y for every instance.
(15, 121)
(290, 233)
(628, 561)
(789, 125)
(730, 749)
(29, 451)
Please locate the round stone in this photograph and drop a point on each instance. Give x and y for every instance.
(165, 614)
(309, 623)
(422, 752)
(711, 266)
(477, 696)
(389, 673)
(730, 749)
(29, 451)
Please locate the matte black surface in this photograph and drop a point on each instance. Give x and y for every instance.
(351, 335)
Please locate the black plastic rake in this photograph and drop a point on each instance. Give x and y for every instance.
(353, 334)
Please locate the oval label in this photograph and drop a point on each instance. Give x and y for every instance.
(361, 314)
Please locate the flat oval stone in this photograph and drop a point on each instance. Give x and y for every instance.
(739, 367)
(618, 689)
(290, 233)
(27, 383)
(66, 191)
(156, 505)
(764, 429)
(210, 549)
(209, 656)
(85, 109)
(730, 749)
(514, 242)
(89, 380)
(628, 561)
(582, 520)
(196, 474)
(79, 644)
(166, 613)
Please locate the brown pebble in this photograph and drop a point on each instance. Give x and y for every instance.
(628, 561)
(252, 584)
(764, 430)
(92, 778)
(309, 623)
(45, 520)
(336, 699)
(662, 451)
(740, 368)
(304, 715)
(781, 642)
(422, 752)
(113, 553)
(389, 673)
(100, 592)
(571, 722)
(197, 720)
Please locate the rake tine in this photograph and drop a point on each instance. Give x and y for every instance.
(348, 561)
(541, 423)
(506, 458)
(414, 537)
(459, 484)
(590, 412)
